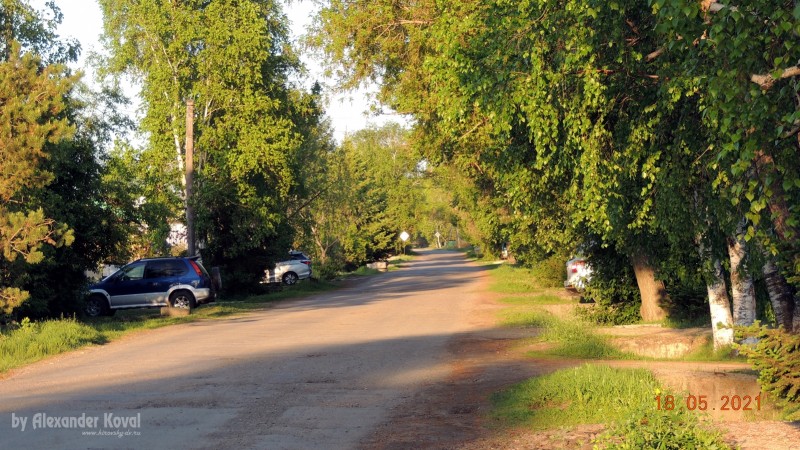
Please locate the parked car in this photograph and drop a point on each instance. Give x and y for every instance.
(290, 271)
(579, 273)
(153, 282)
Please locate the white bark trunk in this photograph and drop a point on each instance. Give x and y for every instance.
(742, 290)
(720, 308)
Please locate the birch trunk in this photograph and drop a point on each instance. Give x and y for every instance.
(780, 295)
(720, 308)
(742, 289)
(718, 302)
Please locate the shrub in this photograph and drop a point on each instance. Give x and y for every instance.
(776, 357)
(327, 270)
(550, 272)
(613, 288)
(610, 314)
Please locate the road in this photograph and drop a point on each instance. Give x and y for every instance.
(321, 372)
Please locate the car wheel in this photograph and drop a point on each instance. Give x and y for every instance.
(96, 306)
(182, 300)
(289, 278)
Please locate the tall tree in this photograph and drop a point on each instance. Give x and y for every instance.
(233, 58)
(31, 100)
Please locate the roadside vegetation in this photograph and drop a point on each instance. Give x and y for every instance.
(622, 399)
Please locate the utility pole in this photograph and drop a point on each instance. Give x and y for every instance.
(190, 244)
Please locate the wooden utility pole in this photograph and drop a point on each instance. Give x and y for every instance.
(190, 244)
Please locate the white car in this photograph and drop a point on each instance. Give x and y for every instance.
(579, 273)
(290, 271)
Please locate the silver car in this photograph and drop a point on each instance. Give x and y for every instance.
(579, 273)
(290, 271)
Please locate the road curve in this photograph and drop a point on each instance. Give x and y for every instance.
(320, 372)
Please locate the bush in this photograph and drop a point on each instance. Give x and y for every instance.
(776, 357)
(550, 272)
(327, 270)
(613, 288)
(611, 314)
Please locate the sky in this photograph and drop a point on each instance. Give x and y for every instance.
(83, 21)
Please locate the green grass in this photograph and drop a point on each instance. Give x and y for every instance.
(538, 299)
(33, 341)
(623, 399)
(575, 339)
(585, 394)
(508, 279)
(525, 318)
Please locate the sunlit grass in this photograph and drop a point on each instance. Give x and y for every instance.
(538, 299)
(34, 341)
(508, 279)
(575, 339)
(581, 395)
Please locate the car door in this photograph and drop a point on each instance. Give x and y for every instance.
(128, 287)
(160, 277)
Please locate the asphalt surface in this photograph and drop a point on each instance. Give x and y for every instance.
(316, 373)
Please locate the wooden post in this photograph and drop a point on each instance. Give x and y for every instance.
(190, 238)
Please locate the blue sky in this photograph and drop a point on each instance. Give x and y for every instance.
(84, 21)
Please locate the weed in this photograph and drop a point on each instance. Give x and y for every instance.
(649, 427)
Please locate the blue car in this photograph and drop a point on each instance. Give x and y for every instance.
(153, 282)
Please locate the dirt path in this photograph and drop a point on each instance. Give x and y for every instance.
(318, 373)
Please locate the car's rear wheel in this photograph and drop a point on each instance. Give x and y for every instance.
(182, 300)
(289, 278)
(96, 306)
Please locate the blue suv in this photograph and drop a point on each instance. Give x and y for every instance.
(153, 282)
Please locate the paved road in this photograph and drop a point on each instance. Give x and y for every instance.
(309, 374)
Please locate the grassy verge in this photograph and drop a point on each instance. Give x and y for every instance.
(585, 394)
(623, 398)
(508, 279)
(34, 341)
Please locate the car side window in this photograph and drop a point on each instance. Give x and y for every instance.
(174, 268)
(132, 272)
(164, 269)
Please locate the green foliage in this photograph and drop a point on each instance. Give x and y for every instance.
(613, 289)
(550, 272)
(776, 357)
(33, 104)
(648, 427)
(615, 122)
(611, 314)
(327, 270)
(368, 193)
(253, 132)
(585, 394)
